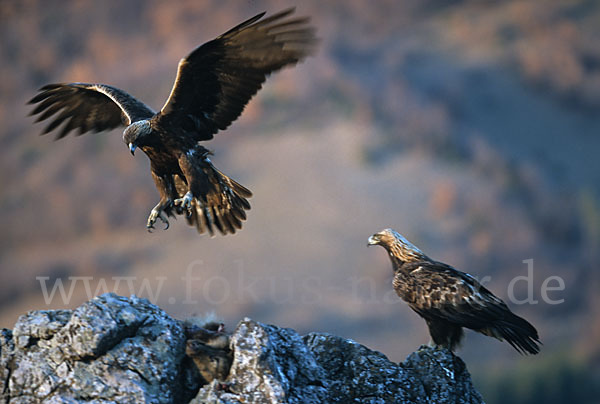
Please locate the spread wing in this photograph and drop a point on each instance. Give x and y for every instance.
(86, 107)
(450, 295)
(218, 78)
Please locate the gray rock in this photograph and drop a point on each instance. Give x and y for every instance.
(444, 376)
(7, 348)
(110, 349)
(126, 350)
(276, 365)
(36, 325)
(360, 375)
(270, 365)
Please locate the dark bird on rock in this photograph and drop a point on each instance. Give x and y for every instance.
(449, 299)
(213, 85)
(211, 333)
(208, 347)
(212, 363)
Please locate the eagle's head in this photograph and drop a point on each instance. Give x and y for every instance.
(137, 134)
(397, 246)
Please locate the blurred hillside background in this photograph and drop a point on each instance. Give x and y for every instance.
(472, 127)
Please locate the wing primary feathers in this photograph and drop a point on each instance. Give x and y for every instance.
(217, 79)
(86, 106)
(277, 16)
(244, 24)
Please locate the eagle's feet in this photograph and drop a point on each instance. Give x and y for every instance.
(185, 202)
(156, 213)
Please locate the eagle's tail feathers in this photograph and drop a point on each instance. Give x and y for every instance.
(519, 333)
(219, 202)
(222, 206)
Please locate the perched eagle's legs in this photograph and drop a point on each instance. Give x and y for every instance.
(444, 334)
(166, 188)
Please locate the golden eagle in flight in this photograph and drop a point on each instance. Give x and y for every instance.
(449, 299)
(213, 85)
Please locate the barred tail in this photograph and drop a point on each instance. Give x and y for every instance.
(222, 205)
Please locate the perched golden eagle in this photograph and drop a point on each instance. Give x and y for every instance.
(213, 85)
(449, 300)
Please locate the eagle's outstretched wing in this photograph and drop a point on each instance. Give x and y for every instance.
(85, 107)
(218, 78)
(456, 297)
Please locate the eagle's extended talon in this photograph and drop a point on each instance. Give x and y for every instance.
(185, 202)
(156, 214)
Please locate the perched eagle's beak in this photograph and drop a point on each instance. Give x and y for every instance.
(132, 148)
(373, 240)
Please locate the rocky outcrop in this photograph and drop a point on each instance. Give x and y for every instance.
(110, 349)
(127, 350)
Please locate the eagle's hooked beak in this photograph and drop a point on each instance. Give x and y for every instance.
(373, 240)
(132, 148)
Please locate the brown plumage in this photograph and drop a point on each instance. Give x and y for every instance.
(212, 363)
(208, 347)
(213, 85)
(449, 300)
